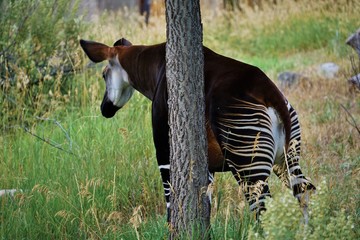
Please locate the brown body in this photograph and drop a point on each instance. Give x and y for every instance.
(225, 79)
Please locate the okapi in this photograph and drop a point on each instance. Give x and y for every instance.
(251, 127)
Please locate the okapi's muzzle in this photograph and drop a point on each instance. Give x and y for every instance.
(108, 109)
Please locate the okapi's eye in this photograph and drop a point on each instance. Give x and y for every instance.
(104, 72)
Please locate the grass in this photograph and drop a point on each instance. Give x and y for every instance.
(105, 184)
(90, 186)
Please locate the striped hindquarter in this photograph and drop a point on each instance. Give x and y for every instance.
(252, 140)
(248, 146)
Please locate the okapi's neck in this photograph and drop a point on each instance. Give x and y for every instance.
(145, 66)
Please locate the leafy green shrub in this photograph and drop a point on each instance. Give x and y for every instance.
(38, 43)
(283, 218)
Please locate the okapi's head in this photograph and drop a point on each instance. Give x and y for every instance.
(118, 89)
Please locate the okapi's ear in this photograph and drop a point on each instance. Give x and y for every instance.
(122, 42)
(97, 52)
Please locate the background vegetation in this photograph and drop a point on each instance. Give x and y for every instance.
(86, 177)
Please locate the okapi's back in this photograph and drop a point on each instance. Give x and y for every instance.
(226, 79)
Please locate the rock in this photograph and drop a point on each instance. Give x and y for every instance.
(9, 192)
(288, 79)
(355, 81)
(354, 41)
(328, 70)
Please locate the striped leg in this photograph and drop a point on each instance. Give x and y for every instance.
(165, 175)
(210, 187)
(244, 130)
(288, 169)
(161, 141)
(162, 155)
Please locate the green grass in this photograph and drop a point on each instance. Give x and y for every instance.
(103, 182)
(104, 174)
(279, 39)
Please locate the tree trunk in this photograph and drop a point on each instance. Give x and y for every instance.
(190, 208)
(354, 41)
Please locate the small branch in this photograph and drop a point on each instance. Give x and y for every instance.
(353, 122)
(47, 141)
(60, 126)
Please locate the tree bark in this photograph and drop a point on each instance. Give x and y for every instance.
(354, 41)
(190, 208)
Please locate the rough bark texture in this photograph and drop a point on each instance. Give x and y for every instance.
(190, 210)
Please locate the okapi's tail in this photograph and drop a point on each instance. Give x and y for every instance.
(274, 98)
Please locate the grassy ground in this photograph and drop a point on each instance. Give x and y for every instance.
(96, 178)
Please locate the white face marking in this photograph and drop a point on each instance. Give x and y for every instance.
(118, 88)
